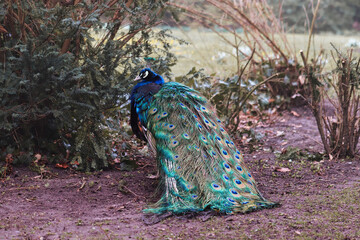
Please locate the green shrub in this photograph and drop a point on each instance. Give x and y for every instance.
(232, 95)
(66, 71)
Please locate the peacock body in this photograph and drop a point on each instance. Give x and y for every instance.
(200, 166)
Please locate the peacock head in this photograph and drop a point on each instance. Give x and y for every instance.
(146, 74)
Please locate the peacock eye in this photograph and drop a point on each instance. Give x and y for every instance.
(146, 74)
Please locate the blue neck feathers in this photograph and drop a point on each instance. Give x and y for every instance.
(156, 79)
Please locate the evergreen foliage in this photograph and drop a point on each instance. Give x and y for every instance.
(66, 70)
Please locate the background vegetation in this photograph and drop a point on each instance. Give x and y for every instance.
(67, 68)
(62, 92)
(337, 17)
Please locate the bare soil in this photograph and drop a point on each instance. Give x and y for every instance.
(320, 198)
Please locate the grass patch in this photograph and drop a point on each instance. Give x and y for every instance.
(207, 50)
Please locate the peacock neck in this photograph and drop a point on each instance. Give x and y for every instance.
(157, 80)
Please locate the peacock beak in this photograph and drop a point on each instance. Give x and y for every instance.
(137, 78)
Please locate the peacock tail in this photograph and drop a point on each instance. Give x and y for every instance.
(200, 166)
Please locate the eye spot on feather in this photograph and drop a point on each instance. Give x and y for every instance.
(173, 136)
(249, 182)
(245, 202)
(153, 111)
(164, 114)
(176, 156)
(226, 178)
(197, 108)
(213, 153)
(207, 122)
(218, 120)
(194, 196)
(216, 187)
(195, 116)
(226, 166)
(203, 108)
(225, 154)
(239, 168)
(234, 192)
(218, 138)
(182, 105)
(237, 156)
(231, 200)
(199, 126)
(237, 151)
(227, 141)
(178, 167)
(249, 175)
(186, 136)
(203, 139)
(238, 183)
(232, 143)
(221, 129)
(171, 126)
(174, 143)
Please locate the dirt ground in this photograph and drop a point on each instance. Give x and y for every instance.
(320, 198)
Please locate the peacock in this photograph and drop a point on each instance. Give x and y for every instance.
(200, 167)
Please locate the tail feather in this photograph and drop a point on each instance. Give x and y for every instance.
(200, 165)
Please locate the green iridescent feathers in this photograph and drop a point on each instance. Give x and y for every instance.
(199, 164)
